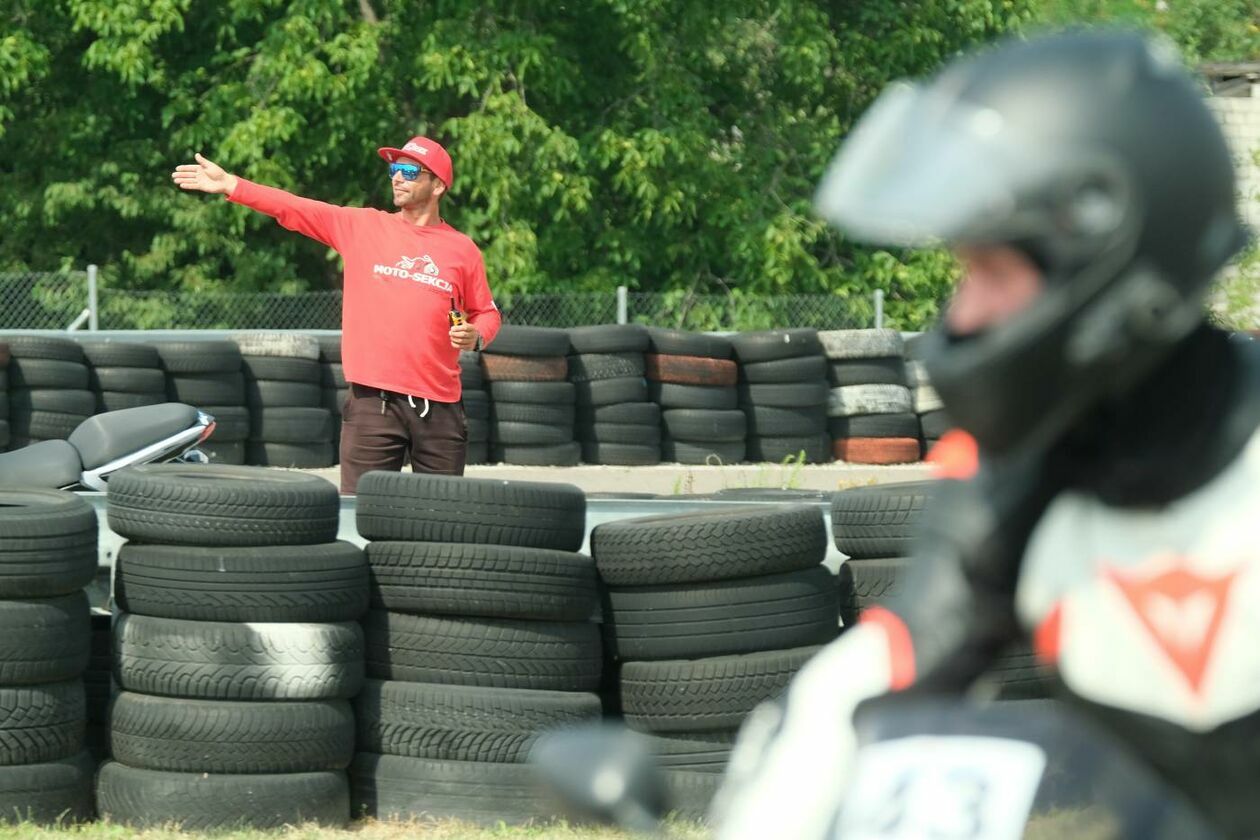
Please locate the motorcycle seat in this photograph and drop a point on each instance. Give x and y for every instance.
(50, 463)
(110, 436)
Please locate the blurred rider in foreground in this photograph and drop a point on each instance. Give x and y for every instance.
(1114, 515)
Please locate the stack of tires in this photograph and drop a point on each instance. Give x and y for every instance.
(333, 387)
(692, 378)
(47, 555)
(783, 392)
(707, 615)
(288, 425)
(4, 396)
(616, 423)
(207, 375)
(531, 410)
(476, 407)
(48, 389)
(927, 405)
(236, 650)
(480, 637)
(125, 374)
(871, 418)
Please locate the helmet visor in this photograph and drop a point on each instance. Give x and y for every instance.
(923, 167)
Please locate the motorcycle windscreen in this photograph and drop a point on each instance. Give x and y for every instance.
(921, 168)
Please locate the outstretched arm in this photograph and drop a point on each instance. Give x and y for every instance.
(204, 176)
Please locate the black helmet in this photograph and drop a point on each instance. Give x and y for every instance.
(1094, 153)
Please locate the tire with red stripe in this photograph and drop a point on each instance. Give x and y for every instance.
(691, 370)
(502, 368)
(857, 450)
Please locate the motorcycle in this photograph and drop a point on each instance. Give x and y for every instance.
(926, 768)
(106, 443)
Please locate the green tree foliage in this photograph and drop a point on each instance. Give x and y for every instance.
(1206, 30)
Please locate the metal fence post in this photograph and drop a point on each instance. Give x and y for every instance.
(879, 309)
(623, 300)
(94, 322)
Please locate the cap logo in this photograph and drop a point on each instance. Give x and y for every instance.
(413, 147)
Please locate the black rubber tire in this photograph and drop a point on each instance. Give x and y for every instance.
(777, 421)
(333, 377)
(216, 802)
(119, 400)
(865, 583)
(391, 787)
(41, 723)
(213, 660)
(121, 354)
(691, 794)
(276, 583)
(493, 653)
(878, 521)
(222, 506)
(57, 400)
(728, 617)
(478, 430)
(680, 343)
(874, 425)
(223, 388)
(794, 369)
(608, 338)
(693, 752)
(476, 404)
(280, 369)
(47, 543)
(686, 452)
(709, 546)
(550, 393)
(672, 395)
(44, 425)
(478, 452)
(47, 373)
(934, 424)
(4, 403)
(329, 347)
(514, 340)
(128, 380)
(511, 433)
(705, 695)
(43, 347)
(44, 640)
(889, 370)
(463, 723)
(770, 345)
(538, 455)
(625, 433)
(622, 389)
(305, 456)
(290, 425)
(6, 435)
(275, 393)
(229, 453)
(505, 368)
(230, 736)
(489, 581)
(620, 454)
(789, 395)
(700, 424)
(214, 356)
(52, 793)
(814, 449)
(590, 367)
(99, 674)
(431, 508)
(231, 422)
(549, 415)
(630, 413)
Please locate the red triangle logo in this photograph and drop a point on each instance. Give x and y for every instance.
(1182, 610)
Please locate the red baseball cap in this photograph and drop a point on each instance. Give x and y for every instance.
(427, 153)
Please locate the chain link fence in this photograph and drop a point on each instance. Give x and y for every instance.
(56, 301)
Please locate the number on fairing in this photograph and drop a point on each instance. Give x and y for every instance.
(942, 788)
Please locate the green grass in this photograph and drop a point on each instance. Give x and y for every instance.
(365, 830)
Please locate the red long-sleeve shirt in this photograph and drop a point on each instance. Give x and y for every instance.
(399, 282)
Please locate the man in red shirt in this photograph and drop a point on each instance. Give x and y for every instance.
(404, 272)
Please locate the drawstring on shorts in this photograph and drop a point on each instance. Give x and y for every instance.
(411, 401)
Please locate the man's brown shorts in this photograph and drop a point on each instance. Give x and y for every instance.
(382, 429)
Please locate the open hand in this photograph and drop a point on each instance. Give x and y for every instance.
(464, 336)
(204, 176)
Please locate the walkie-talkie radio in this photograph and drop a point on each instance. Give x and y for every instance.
(455, 315)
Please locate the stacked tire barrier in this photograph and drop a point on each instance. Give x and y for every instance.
(693, 379)
(5, 432)
(876, 528)
(124, 374)
(532, 410)
(870, 414)
(616, 424)
(333, 386)
(783, 392)
(705, 616)
(479, 637)
(207, 374)
(47, 555)
(48, 389)
(289, 427)
(926, 402)
(476, 407)
(236, 650)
